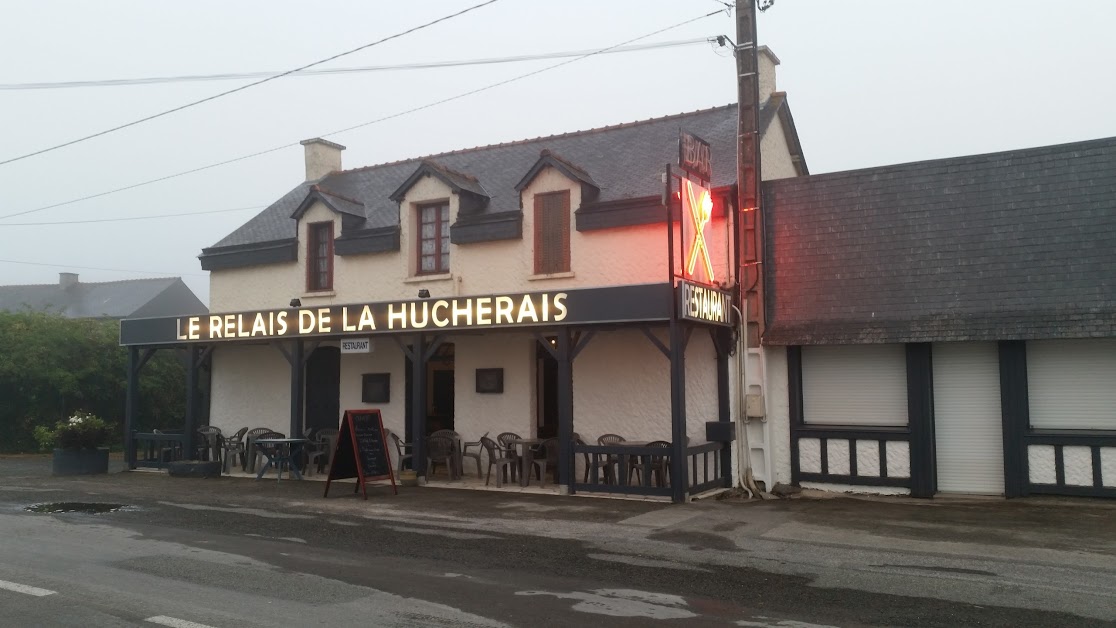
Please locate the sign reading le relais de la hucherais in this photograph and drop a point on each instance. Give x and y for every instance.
(649, 302)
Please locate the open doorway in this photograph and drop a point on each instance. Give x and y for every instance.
(439, 391)
(546, 389)
(323, 389)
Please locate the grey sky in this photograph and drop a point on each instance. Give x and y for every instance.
(870, 82)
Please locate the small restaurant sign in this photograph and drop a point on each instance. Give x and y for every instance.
(646, 302)
(356, 345)
(695, 156)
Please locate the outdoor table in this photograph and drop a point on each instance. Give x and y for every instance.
(526, 456)
(285, 450)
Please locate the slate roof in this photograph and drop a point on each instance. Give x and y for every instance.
(165, 296)
(624, 160)
(1013, 245)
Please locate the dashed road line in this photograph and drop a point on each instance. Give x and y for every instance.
(174, 622)
(23, 588)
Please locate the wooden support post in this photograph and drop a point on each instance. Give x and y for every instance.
(298, 369)
(132, 394)
(566, 470)
(722, 340)
(189, 430)
(418, 406)
(679, 482)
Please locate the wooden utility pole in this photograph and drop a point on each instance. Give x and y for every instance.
(748, 173)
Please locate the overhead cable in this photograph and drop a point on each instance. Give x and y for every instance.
(244, 87)
(430, 65)
(357, 126)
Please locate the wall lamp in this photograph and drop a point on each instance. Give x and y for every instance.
(424, 293)
(296, 303)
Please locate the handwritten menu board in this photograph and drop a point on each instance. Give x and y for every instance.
(361, 451)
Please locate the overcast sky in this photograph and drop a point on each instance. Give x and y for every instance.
(870, 82)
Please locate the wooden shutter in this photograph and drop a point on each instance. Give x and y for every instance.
(552, 233)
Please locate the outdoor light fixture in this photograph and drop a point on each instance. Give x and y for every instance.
(296, 303)
(424, 293)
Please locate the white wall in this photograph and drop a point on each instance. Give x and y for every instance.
(385, 357)
(511, 411)
(251, 387)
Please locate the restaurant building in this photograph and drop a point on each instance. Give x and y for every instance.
(947, 325)
(535, 287)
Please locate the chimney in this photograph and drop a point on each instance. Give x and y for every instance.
(67, 280)
(322, 157)
(767, 62)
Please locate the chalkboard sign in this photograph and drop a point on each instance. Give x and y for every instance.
(361, 451)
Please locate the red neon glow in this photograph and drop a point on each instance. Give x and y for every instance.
(701, 211)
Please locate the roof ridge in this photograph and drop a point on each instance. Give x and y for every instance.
(87, 283)
(1030, 150)
(610, 127)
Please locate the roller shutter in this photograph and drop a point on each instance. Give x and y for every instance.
(967, 420)
(1071, 384)
(854, 385)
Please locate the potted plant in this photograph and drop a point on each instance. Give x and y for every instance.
(80, 444)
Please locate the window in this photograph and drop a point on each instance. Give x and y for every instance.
(433, 239)
(319, 256)
(552, 233)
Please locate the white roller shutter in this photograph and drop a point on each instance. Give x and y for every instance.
(1071, 384)
(967, 420)
(854, 385)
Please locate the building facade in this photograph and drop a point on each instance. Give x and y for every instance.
(524, 287)
(947, 326)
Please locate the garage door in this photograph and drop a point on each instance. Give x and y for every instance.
(967, 421)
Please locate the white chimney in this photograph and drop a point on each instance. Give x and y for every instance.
(767, 63)
(67, 280)
(322, 157)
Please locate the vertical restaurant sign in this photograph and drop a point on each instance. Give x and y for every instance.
(694, 156)
(697, 211)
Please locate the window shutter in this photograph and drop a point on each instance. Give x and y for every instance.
(552, 233)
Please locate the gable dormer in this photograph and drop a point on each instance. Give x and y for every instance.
(473, 198)
(547, 159)
(357, 234)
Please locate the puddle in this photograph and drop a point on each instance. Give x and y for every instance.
(88, 508)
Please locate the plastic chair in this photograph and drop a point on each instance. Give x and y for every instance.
(610, 461)
(550, 461)
(441, 450)
(476, 455)
(505, 466)
(585, 457)
(211, 443)
(320, 453)
(233, 447)
(506, 442)
(456, 438)
(250, 450)
(400, 448)
(650, 466)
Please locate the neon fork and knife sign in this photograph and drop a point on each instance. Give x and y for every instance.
(697, 199)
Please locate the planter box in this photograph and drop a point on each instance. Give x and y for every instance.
(81, 461)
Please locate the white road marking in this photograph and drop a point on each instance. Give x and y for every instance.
(173, 622)
(23, 588)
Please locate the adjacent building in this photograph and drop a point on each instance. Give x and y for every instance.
(131, 298)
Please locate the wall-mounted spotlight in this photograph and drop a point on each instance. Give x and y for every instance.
(424, 293)
(296, 303)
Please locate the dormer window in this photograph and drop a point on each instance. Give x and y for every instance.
(552, 233)
(433, 238)
(319, 256)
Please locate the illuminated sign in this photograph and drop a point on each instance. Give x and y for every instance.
(695, 156)
(650, 302)
(698, 204)
(704, 304)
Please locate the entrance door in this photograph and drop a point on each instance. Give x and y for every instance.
(323, 389)
(546, 390)
(967, 421)
(439, 391)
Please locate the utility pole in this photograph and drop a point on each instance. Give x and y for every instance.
(748, 174)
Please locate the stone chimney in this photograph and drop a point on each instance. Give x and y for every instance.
(67, 280)
(322, 157)
(767, 63)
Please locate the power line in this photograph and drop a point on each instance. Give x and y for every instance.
(190, 78)
(112, 270)
(128, 218)
(249, 85)
(357, 126)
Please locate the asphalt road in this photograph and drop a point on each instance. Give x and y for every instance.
(244, 553)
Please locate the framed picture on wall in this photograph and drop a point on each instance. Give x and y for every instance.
(375, 387)
(490, 380)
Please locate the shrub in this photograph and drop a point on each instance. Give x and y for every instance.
(81, 431)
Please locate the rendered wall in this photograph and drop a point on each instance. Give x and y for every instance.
(250, 388)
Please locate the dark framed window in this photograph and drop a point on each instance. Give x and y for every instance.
(433, 238)
(375, 388)
(552, 233)
(319, 256)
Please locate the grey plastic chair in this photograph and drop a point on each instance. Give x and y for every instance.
(233, 447)
(250, 449)
(401, 448)
(610, 462)
(505, 466)
(542, 465)
(441, 450)
(476, 455)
